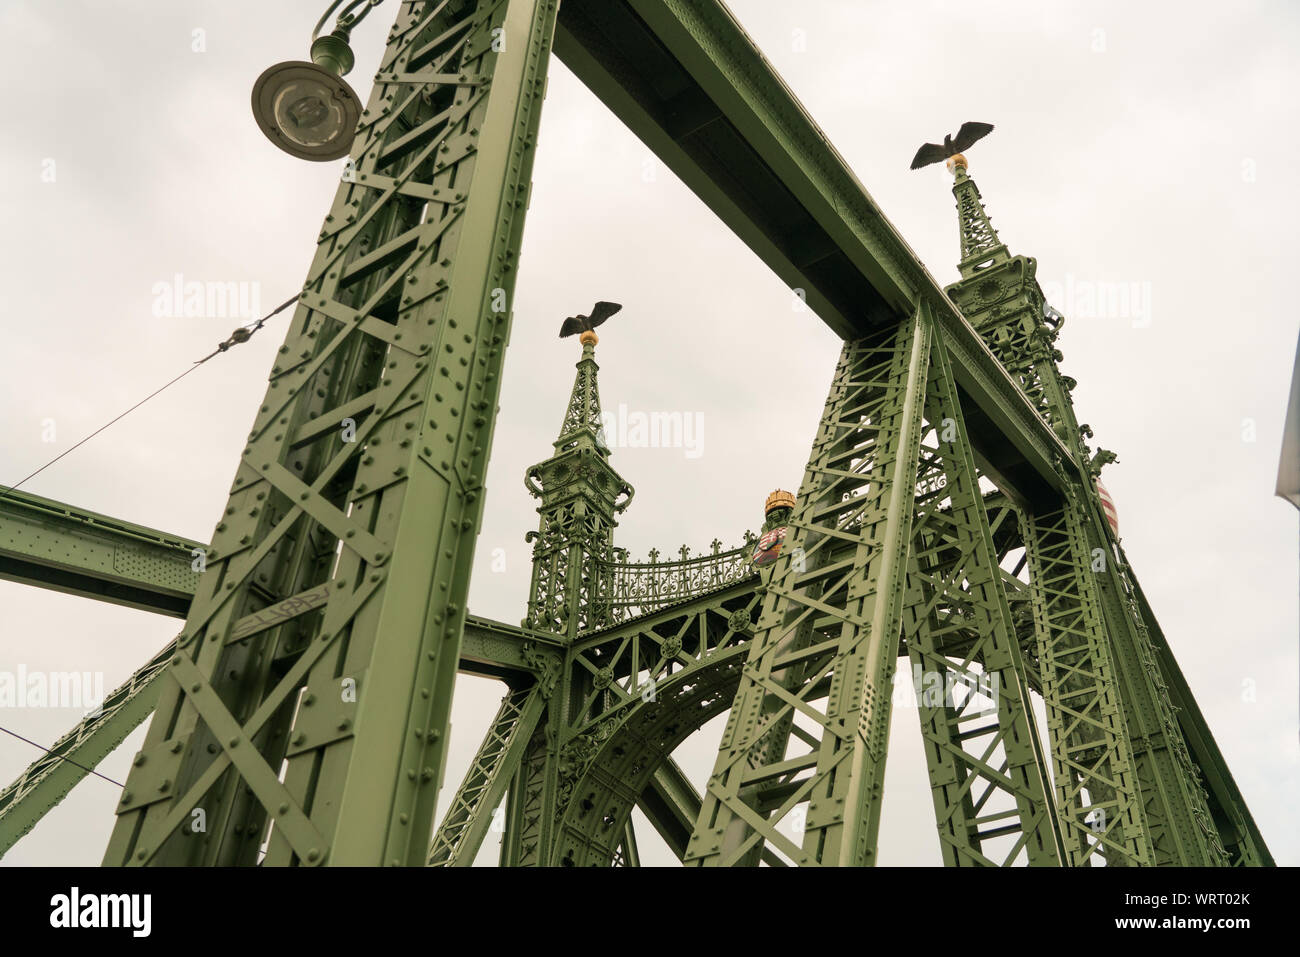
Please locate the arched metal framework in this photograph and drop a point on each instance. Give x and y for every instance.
(948, 516)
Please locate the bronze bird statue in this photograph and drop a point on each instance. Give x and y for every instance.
(599, 313)
(952, 145)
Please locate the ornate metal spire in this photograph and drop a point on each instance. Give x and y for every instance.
(980, 245)
(582, 427)
(581, 495)
(999, 295)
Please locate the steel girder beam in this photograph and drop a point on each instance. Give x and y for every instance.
(672, 805)
(77, 551)
(1174, 804)
(857, 490)
(497, 761)
(688, 81)
(493, 649)
(488, 648)
(65, 548)
(48, 779)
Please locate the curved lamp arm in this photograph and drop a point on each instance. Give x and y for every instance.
(346, 20)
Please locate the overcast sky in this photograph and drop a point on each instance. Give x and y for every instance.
(1142, 147)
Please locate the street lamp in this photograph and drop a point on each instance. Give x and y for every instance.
(305, 108)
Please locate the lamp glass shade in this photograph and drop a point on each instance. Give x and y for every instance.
(306, 110)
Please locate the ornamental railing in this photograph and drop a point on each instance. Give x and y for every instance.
(627, 589)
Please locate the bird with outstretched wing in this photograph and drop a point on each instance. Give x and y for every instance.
(599, 313)
(952, 145)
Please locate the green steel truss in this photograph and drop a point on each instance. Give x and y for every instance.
(51, 776)
(983, 752)
(948, 516)
(400, 331)
(1127, 786)
(489, 649)
(467, 820)
(890, 538)
(1091, 758)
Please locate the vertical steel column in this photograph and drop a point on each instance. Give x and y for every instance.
(987, 773)
(855, 500)
(360, 491)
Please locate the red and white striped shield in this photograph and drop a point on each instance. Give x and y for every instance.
(1108, 507)
(768, 547)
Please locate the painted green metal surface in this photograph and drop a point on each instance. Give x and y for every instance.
(671, 804)
(372, 443)
(1127, 786)
(686, 79)
(73, 550)
(894, 410)
(1093, 769)
(489, 649)
(400, 334)
(985, 763)
(1174, 800)
(856, 500)
(48, 779)
(470, 815)
(1237, 829)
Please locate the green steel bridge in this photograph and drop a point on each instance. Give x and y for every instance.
(949, 516)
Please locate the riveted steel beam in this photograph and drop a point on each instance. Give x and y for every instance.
(857, 492)
(987, 772)
(325, 635)
(48, 780)
(467, 820)
(688, 80)
(1093, 768)
(400, 316)
(70, 549)
(671, 804)
(80, 552)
